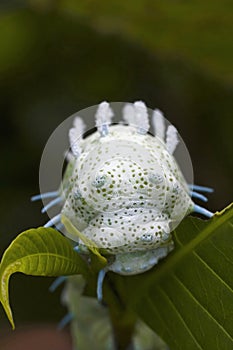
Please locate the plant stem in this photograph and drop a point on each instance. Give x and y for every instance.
(123, 320)
(122, 332)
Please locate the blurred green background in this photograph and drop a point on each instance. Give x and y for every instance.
(57, 57)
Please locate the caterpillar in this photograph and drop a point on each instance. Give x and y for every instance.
(123, 189)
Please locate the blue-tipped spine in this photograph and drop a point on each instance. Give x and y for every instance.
(55, 220)
(51, 204)
(198, 195)
(65, 321)
(100, 281)
(203, 211)
(52, 194)
(201, 188)
(58, 281)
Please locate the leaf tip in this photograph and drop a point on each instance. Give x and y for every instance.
(7, 309)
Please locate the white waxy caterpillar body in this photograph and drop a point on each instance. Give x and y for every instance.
(123, 190)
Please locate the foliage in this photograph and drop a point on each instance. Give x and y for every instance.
(38, 252)
(47, 71)
(186, 298)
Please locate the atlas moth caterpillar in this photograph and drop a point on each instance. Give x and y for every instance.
(123, 190)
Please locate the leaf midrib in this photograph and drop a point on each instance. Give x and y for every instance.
(58, 256)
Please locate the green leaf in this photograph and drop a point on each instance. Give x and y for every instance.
(38, 252)
(98, 260)
(188, 298)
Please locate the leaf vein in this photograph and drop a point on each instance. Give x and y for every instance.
(163, 319)
(55, 255)
(182, 319)
(219, 251)
(203, 307)
(212, 271)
